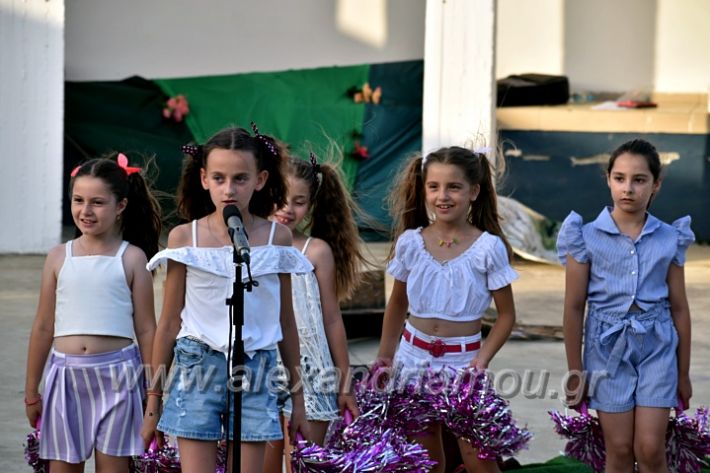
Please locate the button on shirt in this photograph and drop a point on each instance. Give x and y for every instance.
(624, 271)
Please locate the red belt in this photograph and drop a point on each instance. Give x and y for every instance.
(438, 348)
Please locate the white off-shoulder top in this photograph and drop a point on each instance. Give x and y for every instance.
(209, 279)
(458, 289)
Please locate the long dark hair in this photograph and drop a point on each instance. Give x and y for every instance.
(194, 202)
(408, 205)
(332, 219)
(141, 221)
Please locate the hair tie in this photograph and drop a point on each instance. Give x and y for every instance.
(268, 141)
(123, 163)
(317, 173)
(483, 150)
(195, 151)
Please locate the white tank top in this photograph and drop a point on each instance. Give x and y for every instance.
(93, 297)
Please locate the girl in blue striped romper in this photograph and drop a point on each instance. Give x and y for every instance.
(96, 297)
(628, 267)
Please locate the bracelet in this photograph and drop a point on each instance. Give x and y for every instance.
(32, 403)
(154, 393)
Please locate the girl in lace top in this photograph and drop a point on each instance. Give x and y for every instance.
(232, 168)
(318, 203)
(450, 259)
(627, 266)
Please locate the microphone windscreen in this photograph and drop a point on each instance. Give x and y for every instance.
(229, 212)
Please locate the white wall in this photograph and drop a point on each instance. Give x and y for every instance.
(31, 111)
(459, 96)
(529, 37)
(109, 40)
(608, 45)
(683, 46)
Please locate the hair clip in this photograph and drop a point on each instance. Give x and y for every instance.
(193, 150)
(123, 163)
(268, 141)
(75, 171)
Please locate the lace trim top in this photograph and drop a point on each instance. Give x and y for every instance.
(458, 289)
(316, 361)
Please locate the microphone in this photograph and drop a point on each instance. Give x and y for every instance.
(233, 220)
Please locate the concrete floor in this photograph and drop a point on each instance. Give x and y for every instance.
(538, 295)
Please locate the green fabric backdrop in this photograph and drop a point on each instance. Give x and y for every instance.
(125, 116)
(392, 132)
(305, 108)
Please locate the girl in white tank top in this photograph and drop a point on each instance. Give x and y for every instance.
(96, 298)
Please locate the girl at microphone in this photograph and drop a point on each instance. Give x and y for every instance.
(246, 170)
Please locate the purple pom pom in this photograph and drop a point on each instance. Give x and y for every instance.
(155, 460)
(586, 440)
(476, 413)
(32, 453)
(688, 441)
(390, 452)
(465, 401)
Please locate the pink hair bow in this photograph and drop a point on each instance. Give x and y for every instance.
(122, 162)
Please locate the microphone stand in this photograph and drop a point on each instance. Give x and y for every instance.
(234, 382)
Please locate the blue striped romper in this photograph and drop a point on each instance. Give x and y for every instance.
(631, 355)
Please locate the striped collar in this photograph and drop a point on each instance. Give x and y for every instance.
(605, 223)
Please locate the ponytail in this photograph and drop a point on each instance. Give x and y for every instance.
(484, 210)
(141, 223)
(271, 157)
(141, 220)
(406, 202)
(332, 219)
(192, 200)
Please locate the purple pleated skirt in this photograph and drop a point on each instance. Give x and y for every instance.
(92, 401)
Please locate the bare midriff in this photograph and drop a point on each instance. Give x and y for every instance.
(445, 328)
(89, 344)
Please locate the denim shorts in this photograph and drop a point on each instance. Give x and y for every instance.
(630, 360)
(196, 403)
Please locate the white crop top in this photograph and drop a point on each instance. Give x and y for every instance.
(209, 279)
(458, 289)
(93, 297)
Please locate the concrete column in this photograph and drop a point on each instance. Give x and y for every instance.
(459, 74)
(31, 124)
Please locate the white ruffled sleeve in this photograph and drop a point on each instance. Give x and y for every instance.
(685, 238)
(499, 272)
(213, 260)
(570, 240)
(398, 266)
(274, 259)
